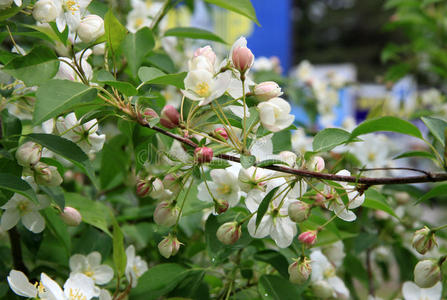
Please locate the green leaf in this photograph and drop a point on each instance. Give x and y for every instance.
(219, 164)
(242, 7)
(274, 258)
(269, 162)
(439, 190)
(194, 33)
(17, 185)
(150, 75)
(247, 161)
(158, 281)
(375, 200)
(124, 87)
(273, 287)
(416, 154)
(115, 32)
(282, 141)
(57, 227)
(253, 119)
(136, 46)
(11, 129)
(93, 212)
(36, 67)
(387, 123)
(56, 193)
(9, 12)
(57, 96)
(262, 209)
(436, 127)
(66, 149)
(119, 254)
(329, 138)
(112, 175)
(62, 36)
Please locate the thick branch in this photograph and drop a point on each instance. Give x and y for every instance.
(16, 250)
(368, 181)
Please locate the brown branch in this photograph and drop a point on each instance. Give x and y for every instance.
(369, 181)
(16, 250)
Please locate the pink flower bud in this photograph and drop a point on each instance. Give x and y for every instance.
(423, 240)
(316, 164)
(203, 154)
(299, 211)
(166, 214)
(207, 52)
(267, 90)
(300, 270)
(427, 273)
(242, 59)
(28, 154)
(320, 199)
(170, 117)
(308, 237)
(221, 133)
(147, 115)
(169, 246)
(229, 233)
(172, 183)
(71, 216)
(144, 187)
(220, 206)
(46, 175)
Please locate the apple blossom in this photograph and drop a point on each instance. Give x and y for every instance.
(411, 291)
(90, 28)
(267, 90)
(20, 207)
(90, 266)
(71, 13)
(229, 233)
(77, 286)
(206, 52)
(423, 240)
(203, 154)
(308, 237)
(169, 117)
(46, 175)
(135, 266)
(275, 114)
(66, 71)
(28, 154)
(335, 253)
(241, 57)
(427, 273)
(169, 246)
(300, 270)
(71, 216)
(288, 157)
(299, 211)
(316, 163)
(46, 11)
(166, 214)
(224, 186)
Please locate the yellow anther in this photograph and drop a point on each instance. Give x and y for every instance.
(203, 89)
(139, 22)
(329, 272)
(224, 189)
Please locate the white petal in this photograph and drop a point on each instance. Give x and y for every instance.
(433, 293)
(33, 221)
(411, 291)
(191, 95)
(254, 198)
(339, 286)
(82, 285)
(52, 290)
(9, 219)
(355, 200)
(94, 259)
(283, 105)
(19, 284)
(96, 141)
(203, 193)
(78, 263)
(345, 214)
(105, 295)
(102, 274)
(264, 228)
(283, 232)
(220, 84)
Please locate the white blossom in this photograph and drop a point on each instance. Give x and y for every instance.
(224, 186)
(19, 284)
(90, 266)
(135, 266)
(411, 291)
(275, 114)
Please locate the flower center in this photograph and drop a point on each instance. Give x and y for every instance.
(329, 272)
(139, 22)
(371, 156)
(203, 89)
(72, 6)
(135, 270)
(23, 207)
(76, 295)
(89, 273)
(224, 189)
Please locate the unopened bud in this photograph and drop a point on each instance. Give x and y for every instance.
(147, 116)
(427, 273)
(144, 187)
(46, 175)
(423, 240)
(28, 154)
(242, 59)
(267, 90)
(169, 246)
(90, 28)
(166, 214)
(71, 216)
(46, 11)
(320, 199)
(322, 289)
(288, 157)
(402, 197)
(220, 206)
(299, 211)
(203, 154)
(308, 237)
(172, 183)
(208, 53)
(300, 270)
(170, 117)
(316, 164)
(229, 233)
(221, 133)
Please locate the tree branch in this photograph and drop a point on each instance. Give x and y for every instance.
(368, 181)
(16, 250)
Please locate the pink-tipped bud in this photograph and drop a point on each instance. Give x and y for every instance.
(267, 90)
(166, 214)
(300, 270)
(169, 246)
(427, 273)
(28, 154)
(46, 175)
(316, 164)
(229, 233)
(320, 199)
(170, 117)
(221, 133)
(207, 52)
(172, 183)
(423, 240)
(147, 116)
(299, 211)
(144, 187)
(71, 216)
(203, 154)
(220, 206)
(308, 237)
(242, 59)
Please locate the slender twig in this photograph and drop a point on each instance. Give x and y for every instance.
(370, 274)
(16, 250)
(427, 177)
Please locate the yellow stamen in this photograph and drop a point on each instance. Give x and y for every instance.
(203, 89)
(224, 189)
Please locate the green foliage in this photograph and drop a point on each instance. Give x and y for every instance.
(136, 46)
(115, 32)
(329, 138)
(194, 33)
(388, 123)
(243, 7)
(17, 185)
